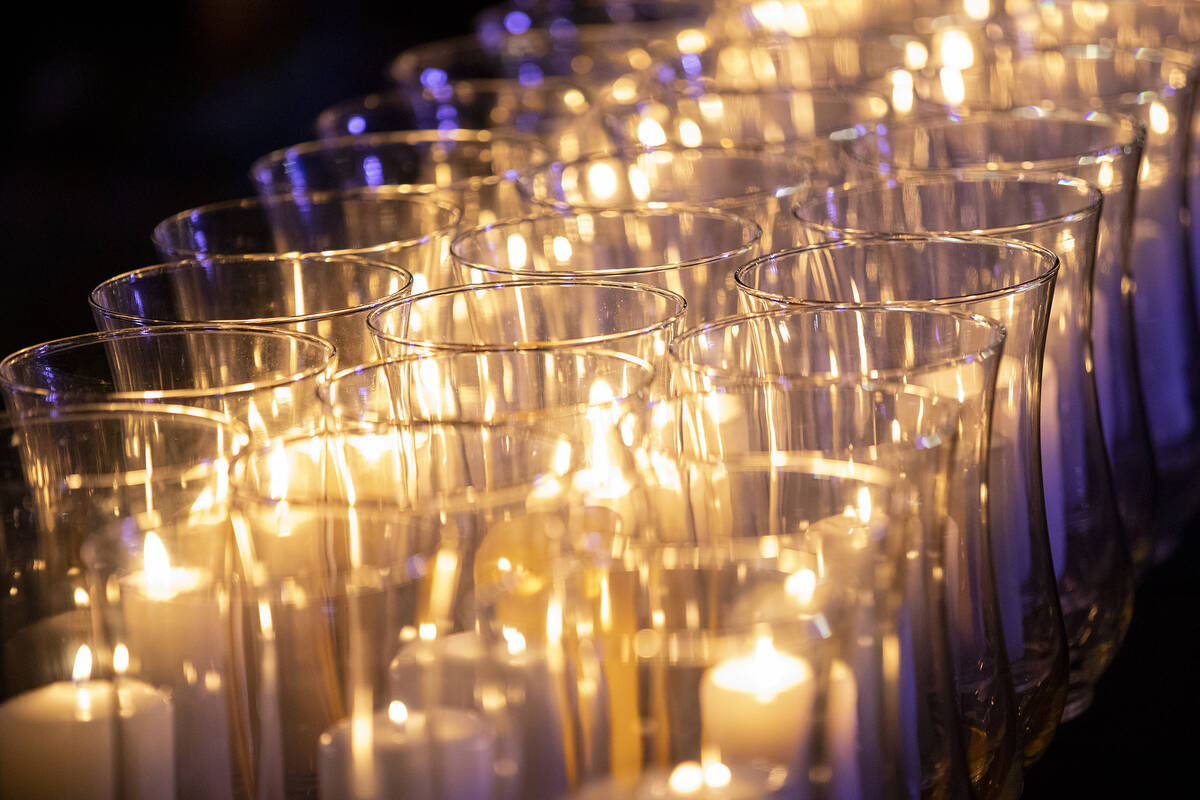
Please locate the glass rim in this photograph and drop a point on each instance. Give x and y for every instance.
(180, 265)
(746, 225)
(1131, 137)
(1075, 53)
(593, 33)
(527, 176)
(96, 338)
(263, 165)
(1092, 197)
(695, 88)
(320, 196)
(557, 83)
(598, 340)
(877, 380)
(1161, 56)
(642, 387)
(437, 502)
(1042, 277)
(239, 437)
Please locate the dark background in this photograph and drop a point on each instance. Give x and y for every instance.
(118, 122)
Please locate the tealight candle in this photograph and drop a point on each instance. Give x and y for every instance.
(758, 707)
(443, 754)
(57, 740)
(175, 632)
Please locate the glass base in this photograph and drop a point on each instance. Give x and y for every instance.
(1079, 699)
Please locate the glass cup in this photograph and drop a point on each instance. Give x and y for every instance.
(118, 678)
(483, 385)
(264, 379)
(691, 252)
(329, 296)
(1156, 88)
(728, 60)
(468, 168)
(382, 224)
(750, 665)
(751, 183)
(1012, 283)
(368, 547)
(797, 121)
(629, 318)
(555, 110)
(1104, 150)
(601, 58)
(955, 358)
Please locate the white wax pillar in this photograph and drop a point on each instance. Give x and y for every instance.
(841, 733)
(177, 639)
(57, 741)
(445, 754)
(758, 708)
(462, 666)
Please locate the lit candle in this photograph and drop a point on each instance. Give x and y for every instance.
(57, 741)
(176, 634)
(457, 663)
(758, 707)
(691, 780)
(445, 754)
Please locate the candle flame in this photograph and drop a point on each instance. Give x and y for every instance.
(82, 670)
(1160, 119)
(518, 251)
(687, 778)
(514, 639)
(957, 51)
(157, 567)
(801, 585)
(650, 133)
(120, 659)
(717, 775)
(603, 180)
(397, 712)
(864, 504)
(765, 674)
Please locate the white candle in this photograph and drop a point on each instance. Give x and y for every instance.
(524, 677)
(57, 740)
(841, 733)
(445, 755)
(758, 708)
(177, 637)
(689, 781)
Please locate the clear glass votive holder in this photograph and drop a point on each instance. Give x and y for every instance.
(692, 252)
(1013, 283)
(749, 664)
(264, 379)
(761, 364)
(552, 313)
(118, 675)
(327, 296)
(556, 110)
(756, 184)
(1105, 150)
(385, 224)
(368, 549)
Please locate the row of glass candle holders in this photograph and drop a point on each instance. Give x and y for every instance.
(750, 573)
(459, 497)
(509, 573)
